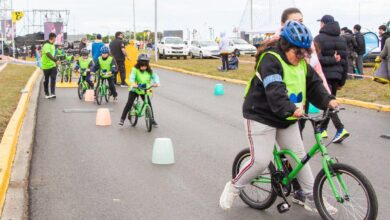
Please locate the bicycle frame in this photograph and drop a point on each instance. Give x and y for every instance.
(102, 86)
(326, 161)
(141, 111)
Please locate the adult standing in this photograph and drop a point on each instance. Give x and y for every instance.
(117, 49)
(351, 45)
(83, 44)
(332, 54)
(49, 66)
(96, 45)
(224, 51)
(361, 47)
(385, 55)
(383, 34)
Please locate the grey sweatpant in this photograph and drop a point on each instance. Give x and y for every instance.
(262, 139)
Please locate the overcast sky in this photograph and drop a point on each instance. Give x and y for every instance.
(92, 16)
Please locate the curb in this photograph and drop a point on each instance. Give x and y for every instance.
(369, 105)
(4, 66)
(10, 138)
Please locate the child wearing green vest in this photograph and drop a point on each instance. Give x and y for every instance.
(84, 65)
(107, 65)
(60, 53)
(274, 100)
(141, 75)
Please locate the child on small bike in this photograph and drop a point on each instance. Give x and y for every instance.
(84, 66)
(142, 75)
(60, 53)
(106, 66)
(274, 100)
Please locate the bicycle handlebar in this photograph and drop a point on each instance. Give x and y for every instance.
(319, 118)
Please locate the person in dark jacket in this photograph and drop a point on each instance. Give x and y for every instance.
(332, 53)
(361, 47)
(117, 48)
(351, 45)
(383, 34)
(274, 100)
(83, 44)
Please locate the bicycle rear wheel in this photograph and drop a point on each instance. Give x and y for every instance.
(360, 202)
(148, 118)
(133, 116)
(108, 91)
(257, 195)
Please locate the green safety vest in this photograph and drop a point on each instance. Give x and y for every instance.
(69, 58)
(84, 64)
(141, 78)
(294, 77)
(60, 52)
(105, 65)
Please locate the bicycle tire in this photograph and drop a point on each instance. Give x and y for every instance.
(148, 118)
(265, 203)
(99, 96)
(108, 91)
(321, 179)
(80, 90)
(133, 116)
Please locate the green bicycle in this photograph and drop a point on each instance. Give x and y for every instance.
(339, 185)
(83, 84)
(140, 109)
(103, 90)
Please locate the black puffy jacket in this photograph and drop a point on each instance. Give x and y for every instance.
(330, 42)
(351, 42)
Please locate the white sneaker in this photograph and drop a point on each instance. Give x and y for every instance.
(311, 206)
(47, 96)
(228, 195)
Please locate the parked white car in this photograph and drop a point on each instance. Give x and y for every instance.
(203, 49)
(172, 47)
(240, 46)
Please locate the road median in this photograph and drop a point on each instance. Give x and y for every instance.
(10, 137)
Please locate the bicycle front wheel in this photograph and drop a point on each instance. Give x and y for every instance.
(148, 118)
(133, 116)
(99, 95)
(359, 200)
(259, 194)
(80, 91)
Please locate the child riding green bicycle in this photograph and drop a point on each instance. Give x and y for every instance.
(141, 75)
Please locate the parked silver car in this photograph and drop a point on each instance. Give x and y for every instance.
(203, 49)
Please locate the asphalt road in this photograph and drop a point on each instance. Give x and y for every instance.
(81, 171)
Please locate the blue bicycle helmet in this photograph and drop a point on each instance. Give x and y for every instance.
(297, 34)
(104, 49)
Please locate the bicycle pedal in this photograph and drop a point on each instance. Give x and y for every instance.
(283, 207)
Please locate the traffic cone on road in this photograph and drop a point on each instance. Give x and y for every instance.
(218, 89)
(103, 117)
(89, 95)
(163, 151)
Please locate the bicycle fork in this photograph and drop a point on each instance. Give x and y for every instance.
(329, 172)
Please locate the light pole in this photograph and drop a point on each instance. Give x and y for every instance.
(155, 31)
(134, 20)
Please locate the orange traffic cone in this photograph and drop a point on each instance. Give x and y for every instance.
(89, 95)
(103, 117)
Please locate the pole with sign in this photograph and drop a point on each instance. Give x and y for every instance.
(16, 16)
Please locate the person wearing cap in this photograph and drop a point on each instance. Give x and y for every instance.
(383, 34)
(332, 53)
(361, 47)
(274, 100)
(96, 46)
